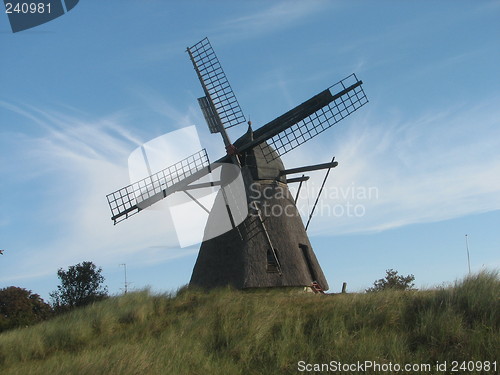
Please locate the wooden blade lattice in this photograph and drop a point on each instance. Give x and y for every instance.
(341, 99)
(131, 199)
(216, 86)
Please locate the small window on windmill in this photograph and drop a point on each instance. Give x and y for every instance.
(272, 261)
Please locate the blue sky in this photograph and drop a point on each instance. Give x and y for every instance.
(80, 93)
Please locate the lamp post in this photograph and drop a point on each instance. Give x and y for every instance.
(467, 247)
(125, 270)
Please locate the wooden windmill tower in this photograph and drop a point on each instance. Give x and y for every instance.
(268, 246)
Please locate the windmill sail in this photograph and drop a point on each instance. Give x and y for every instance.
(219, 105)
(309, 119)
(135, 197)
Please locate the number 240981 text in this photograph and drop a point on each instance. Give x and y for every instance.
(27, 8)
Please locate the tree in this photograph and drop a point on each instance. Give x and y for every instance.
(393, 281)
(80, 285)
(20, 307)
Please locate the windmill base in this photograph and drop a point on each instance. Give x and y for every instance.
(243, 257)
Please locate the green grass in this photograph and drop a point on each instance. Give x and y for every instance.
(263, 332)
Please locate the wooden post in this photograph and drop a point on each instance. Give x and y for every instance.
(344, 287)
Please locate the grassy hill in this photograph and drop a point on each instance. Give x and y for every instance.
(263, 332)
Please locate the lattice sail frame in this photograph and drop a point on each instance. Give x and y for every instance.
(129, 200)
(320, 120)
(216, 87)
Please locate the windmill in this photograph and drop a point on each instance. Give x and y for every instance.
(268, 245)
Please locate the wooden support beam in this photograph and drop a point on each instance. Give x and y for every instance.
(297, 179)
(320, 190)
(309, 168)
(203, 185)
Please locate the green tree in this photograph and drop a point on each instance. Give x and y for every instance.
(393, 281)
(80, 285)
(20, 307)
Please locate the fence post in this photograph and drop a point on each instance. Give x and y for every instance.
(344, 287)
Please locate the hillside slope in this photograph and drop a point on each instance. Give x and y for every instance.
(231, 332)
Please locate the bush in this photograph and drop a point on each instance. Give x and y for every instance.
(20, 307)
(393, 281)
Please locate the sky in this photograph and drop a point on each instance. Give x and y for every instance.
(419, 165)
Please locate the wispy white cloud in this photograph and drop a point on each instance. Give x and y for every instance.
(436, 167)
(82, 160)
(278, 16)
(154, 101)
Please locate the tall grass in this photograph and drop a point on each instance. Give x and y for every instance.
(231, 332)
